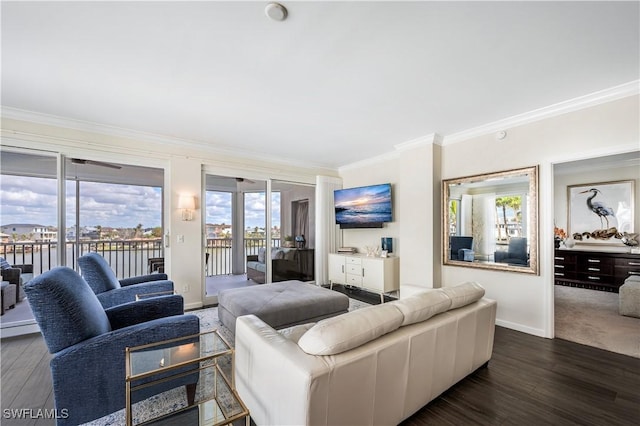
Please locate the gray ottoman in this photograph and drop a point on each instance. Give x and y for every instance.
(629, 297)
(281, 304)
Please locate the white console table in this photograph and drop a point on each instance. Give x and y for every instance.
(377, 274)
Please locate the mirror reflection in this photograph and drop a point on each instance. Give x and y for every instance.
(491, 221)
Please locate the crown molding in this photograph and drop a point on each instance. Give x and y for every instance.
(369, 161)
(431, 139)
(603, 96)
(113, 131)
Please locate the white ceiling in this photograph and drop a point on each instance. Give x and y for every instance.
(335, 83)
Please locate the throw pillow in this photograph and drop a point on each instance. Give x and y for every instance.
(422, 306)
(464, 294)
(277, 254)
(261, 253)
(4, 264)
(347, 331)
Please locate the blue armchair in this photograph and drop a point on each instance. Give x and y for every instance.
(111, 291)
(461, 248)
(88, 342)
(516, 254)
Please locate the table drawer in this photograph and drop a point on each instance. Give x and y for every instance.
(354, 280)
(353, 260)
(354, 269)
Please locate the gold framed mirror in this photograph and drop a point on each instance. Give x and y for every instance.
(490, 221)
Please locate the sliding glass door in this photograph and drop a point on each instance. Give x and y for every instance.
(110, 208)
(293, 257)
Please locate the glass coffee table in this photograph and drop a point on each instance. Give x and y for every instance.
(183, 381)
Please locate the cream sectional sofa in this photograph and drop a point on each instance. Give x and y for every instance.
(375, 365)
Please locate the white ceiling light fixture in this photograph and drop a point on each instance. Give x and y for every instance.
(276, 11)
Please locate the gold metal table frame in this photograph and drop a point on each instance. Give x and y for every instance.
(215, 396)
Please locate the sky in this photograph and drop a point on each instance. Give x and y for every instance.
(34, 200)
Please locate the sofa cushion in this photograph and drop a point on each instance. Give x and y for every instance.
(422, 306)
(277, 254)
(4, 264)
(257, 266)
(347, 331)
(261, 254)
(464, 294)
(295, 333)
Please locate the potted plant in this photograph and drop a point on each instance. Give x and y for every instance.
(288, 241)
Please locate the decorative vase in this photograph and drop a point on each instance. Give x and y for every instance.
(556, 243)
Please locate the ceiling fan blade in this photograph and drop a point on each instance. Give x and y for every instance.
(95, 163)
(239, 179)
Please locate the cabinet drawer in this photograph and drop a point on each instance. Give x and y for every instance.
(353, 260)
(596, 278)
(590, 260)
(354, 269)
(354, 280)
(597, 269)
(559, 273)
(565, 259)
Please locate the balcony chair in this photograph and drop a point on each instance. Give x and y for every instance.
(88, 342)
(111, 291)
(516, 254)
(17, 275)
(461, 248)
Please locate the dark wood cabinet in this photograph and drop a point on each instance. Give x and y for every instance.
(597, 270)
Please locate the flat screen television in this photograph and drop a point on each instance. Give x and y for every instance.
(363, 207)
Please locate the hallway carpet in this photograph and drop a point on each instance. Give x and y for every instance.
(591, 317)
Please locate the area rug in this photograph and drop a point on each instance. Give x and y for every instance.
(175, 399)
(591, 317)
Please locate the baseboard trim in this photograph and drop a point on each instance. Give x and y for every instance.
(19, 330)
(519, 327)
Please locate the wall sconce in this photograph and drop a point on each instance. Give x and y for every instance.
(187, 203)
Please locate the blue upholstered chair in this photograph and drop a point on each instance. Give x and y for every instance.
(517, 253)
(111, 291)
(88, 342)
(461, 248)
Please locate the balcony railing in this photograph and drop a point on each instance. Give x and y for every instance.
(127, 258)
(220, 253)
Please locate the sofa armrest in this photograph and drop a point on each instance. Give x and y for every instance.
(128, 294)
(132, 313)
(252, 258)
(143, 279)
(12, 275)
(267, 366)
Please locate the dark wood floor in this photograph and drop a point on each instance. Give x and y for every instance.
(529, 381)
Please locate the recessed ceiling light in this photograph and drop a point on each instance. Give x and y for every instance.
(276, 11)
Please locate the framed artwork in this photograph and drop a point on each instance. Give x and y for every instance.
(600, 213)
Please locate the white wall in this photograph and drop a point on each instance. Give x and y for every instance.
(382, 170)
(414, 173)
(526, 302)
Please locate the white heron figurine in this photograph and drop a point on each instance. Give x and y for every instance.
(597, 207)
